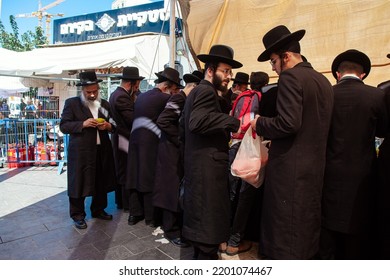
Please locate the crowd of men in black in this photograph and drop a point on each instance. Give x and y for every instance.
(168, 158)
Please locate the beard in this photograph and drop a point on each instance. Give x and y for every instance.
(217, 82)
(90, 103)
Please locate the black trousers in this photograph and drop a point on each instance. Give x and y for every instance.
(246, 200)
(136, 207)
(234, 182)
(99, 199)
(242, 198)
(140, 204)
(171, 223)
(122, 197)
(77, 206)
(205, 251)
(342, 246)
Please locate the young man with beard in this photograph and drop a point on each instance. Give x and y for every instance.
(240, 84)
(206, 211)
(90, 160)
(291, 212)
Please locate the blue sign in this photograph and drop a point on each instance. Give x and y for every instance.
(114, 23)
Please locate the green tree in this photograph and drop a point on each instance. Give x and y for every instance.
(16, 42)
(20, 43)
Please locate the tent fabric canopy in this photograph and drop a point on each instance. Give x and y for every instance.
(22, 63)
(331, 28)
(149, 52)
(11, 86)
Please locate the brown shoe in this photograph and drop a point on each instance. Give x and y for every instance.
(243, 247)
(222, 247)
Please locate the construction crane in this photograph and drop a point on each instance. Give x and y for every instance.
(41, 12)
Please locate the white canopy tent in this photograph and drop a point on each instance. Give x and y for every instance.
(149, 52)
(55, 64)
(11, 86)
(136, 51)
(22, 64)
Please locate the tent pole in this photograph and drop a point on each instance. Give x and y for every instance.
(108, 87)
(172, 37)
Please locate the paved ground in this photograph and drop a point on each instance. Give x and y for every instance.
(35, 225)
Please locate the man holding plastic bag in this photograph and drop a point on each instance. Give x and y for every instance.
(247, 156)
(291, 212)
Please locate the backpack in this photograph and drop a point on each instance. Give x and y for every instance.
(245, 107)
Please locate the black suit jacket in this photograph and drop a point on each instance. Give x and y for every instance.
(81, 160)
(122, 110)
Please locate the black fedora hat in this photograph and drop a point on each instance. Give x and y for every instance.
(353, 56)
(241, 78)
(130, 73)
(194, 77)
(156, 80)
(220, 53)
(277, 38)
(88, 78)
(169, 74)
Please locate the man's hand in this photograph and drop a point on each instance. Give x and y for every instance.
(237, 133)
(104, 126)
(91, 122)
(253, 122)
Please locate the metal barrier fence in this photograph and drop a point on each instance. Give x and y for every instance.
(30, 142)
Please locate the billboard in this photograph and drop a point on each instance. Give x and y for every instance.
(114, 23)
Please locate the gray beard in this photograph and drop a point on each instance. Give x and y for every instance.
(88, 103)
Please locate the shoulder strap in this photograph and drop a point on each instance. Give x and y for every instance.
(248, 92)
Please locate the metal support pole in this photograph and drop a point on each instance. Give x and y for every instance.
(172, 35)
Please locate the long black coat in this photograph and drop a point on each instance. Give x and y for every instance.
(169, 168)
(82, 149)
(383, 194)
(359, 113)
(122, 110)
(144, 139)
(291, 214)
(206, 211)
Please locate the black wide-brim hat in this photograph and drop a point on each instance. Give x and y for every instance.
(130, 73)
(169, 74)
(278, 37)
(353, 56)
(194, 77)
(88, 78)
(220, 53)
(241, 78)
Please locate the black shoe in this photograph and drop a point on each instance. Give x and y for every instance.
(80, 224)
(179, 242)
(132, 220)
(102, 215)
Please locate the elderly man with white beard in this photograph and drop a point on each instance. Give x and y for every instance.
(86, 118)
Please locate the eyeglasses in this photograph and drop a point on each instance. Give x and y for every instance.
(273, 61)
(226, 71)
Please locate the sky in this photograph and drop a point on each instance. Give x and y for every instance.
(68, 7)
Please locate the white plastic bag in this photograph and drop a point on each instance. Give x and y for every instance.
(251, 159)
